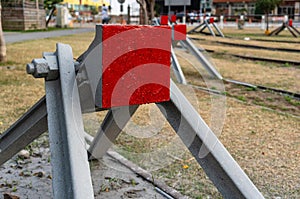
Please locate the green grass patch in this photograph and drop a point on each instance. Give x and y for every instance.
(241, 98)
(291, 100)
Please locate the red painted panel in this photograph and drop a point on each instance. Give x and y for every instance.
(179, 32)
(164, 20)
(136, 65)
(211, 20)
(173, 18)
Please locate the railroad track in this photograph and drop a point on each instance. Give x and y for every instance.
(258, 47)
(277, 41)
(254, 58)
(278, 100)
(293, 95)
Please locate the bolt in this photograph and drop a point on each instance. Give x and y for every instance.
(30, 68)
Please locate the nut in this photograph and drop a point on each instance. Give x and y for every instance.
(38, 68)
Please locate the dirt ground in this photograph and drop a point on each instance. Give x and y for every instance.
(260, 130)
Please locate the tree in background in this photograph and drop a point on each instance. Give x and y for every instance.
(267, 6)
(147, 7)
(50, 5)
(2, 41)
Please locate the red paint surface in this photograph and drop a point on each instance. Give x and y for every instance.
(211, 20)
(164, 20)
(173, 18)
(290, 22)
(179, 32)
(136, 65)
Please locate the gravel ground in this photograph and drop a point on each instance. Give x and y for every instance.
(29, 176)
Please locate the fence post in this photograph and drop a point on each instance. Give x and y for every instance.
(221, 21)
(263, 22)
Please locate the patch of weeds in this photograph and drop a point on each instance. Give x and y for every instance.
(291, 100)
(264, 109)
(134, 183)
(225, 93)
(263, 63)
(29, 186)
(218, 55)
(286, 64)
(251, 89)
(270, 99)
(287, 98)
(8, 63)
(260, 103)
(14, 189)
(112, 184)
(241, 98)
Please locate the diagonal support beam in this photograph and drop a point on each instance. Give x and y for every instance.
(291, 31)
(111, 127)
(218, 30)
(209, 28)
(194, 29)
(30, 126)
(216, 161)
(295, 29)
(177, 68)
(201, 58)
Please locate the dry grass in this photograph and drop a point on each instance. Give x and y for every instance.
(265, 143)
(271, 43)
(260, 73)
(260, 147)
(19, 91)
(218, 48)
(210, 43)
(256, 33)
(280, 76)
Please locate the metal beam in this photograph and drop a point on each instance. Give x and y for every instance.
(218, 30)
(216, 161)
(201, 58)
(30, 126)
(177, 68)
(209, 28)
(70, 167)
(111, 127)
(194, 29)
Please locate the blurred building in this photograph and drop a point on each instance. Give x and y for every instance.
(23, 15)
(85, 5)
(195, 6)
(247, 7)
